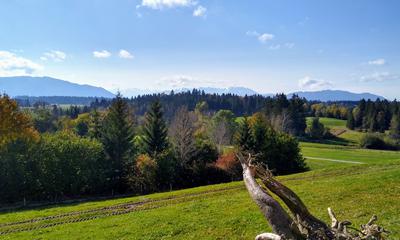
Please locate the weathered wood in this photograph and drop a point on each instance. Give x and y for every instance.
(277, 217)
(303, 225)
(309, 225)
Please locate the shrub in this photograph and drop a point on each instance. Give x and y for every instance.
(143, 177)
(377, 141)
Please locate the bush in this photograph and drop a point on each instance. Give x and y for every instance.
(278, 150)
(143, 177)
(377, 141)
(317, 130)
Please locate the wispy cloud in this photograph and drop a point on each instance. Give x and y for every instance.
(309, 83)
(55, 55)
(101, 54)
(262, 37)
(200, 11)
(125, 54)
(304, 21)
(185, 81)
(289, 45)
(161, 4)
(265, 37)
(379, 77)
(379, 62)
(13, 65)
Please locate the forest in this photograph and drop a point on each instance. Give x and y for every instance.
(162, 142)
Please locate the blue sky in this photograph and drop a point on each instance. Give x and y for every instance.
(267, 45)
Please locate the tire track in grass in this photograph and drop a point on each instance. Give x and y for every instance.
(334, 160)
(119, 209)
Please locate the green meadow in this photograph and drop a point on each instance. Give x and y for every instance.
(355, 182)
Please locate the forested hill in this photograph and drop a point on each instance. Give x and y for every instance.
(240, 106)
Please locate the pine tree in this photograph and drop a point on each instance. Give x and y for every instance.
(155, 131)
(117, 137)
(244, 138)
(316, 129)
(350, 120)
(395, 126)
(95, 124)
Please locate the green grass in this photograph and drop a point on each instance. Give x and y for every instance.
(338, 127)
(329, 122)
(225, 211)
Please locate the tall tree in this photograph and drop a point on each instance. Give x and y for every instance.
(350, 120)
(317, 129)
(95, 124)
(244, 138)
(395, 126)
(14, 124)
(155, 131)
(117, 137)
(182, 131)
(223, 127)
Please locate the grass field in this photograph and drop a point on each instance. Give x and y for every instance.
(225, 211)
(338, 127)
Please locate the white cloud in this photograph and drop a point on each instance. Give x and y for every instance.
(101, 54)
(265, 37)
(161, 4)
(262, 37)
(178, 81)
(275, 47)
(55, 55)
(125, 54)
(200, 11)
(13, 65)
(186, 81)
(379, 77)
(379, 62)
(313, 84)
(252, 33)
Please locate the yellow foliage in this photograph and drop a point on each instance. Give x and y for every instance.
(14, 124)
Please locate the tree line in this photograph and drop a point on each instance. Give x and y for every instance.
(114, 150)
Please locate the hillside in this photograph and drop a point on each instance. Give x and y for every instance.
(47, 86)
(225, 211)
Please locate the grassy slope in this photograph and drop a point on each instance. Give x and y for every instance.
(354, 191)
(349, 137)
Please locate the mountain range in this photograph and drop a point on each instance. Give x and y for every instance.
(47, 86)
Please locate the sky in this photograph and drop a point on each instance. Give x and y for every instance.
(267, 45)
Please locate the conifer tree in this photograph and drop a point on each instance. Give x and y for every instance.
(155, 131)
(117, 137)
(395, 126)
(350, 120)
(244, 138)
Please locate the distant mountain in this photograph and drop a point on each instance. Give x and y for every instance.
(335, 95)
(240, 91)
(47, 86)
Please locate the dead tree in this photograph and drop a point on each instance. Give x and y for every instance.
(300, 223)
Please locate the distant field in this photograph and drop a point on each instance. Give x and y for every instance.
(225, 211)
(338, 128)
(329, 122)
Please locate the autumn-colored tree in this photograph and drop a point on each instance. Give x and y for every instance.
(230, 164)
(14, 124)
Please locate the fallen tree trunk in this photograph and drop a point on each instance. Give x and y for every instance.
(301, 224)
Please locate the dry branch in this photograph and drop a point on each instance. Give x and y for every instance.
(301, 224)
